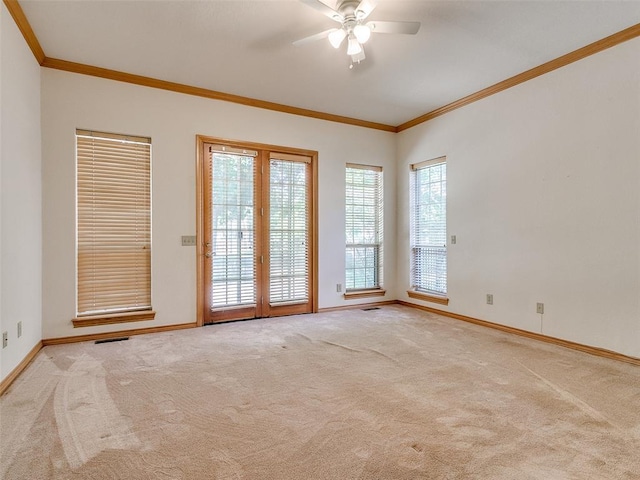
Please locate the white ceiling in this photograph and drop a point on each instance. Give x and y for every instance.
(245, 47)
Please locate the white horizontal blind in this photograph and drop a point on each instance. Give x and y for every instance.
(364, 227)
(429, 227)
(113, 223)
(288, 229)
(233, 275)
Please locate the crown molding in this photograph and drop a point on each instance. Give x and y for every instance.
(93, 71)
(25, 27)
(579, 54)
(23, 24)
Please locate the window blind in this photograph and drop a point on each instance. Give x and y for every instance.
(113, 223)
(428, 192)
(364, 227)
(289, 180)
(233, 239)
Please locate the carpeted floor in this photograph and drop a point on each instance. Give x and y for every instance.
(394, 393)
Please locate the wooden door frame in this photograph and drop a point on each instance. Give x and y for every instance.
(201, 158)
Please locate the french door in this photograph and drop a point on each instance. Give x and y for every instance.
(257, 233)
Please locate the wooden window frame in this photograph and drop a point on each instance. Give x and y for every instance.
(415, 292)
(378, 290)
(107, 201)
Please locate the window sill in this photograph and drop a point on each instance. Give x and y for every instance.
(107, 319)
(428, 297)
(378, 292)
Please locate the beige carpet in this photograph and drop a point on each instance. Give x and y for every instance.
(393, 393)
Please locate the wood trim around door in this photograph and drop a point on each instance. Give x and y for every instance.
(201, 159)
(295, 307)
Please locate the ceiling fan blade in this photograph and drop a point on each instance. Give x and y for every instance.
(313, 38)
(323, 9)
(365, 8)
(408, 28)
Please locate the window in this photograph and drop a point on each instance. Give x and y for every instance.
(428, 191)
(113, 228)
(363, 222)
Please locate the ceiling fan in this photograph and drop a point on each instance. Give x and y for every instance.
(351, 15)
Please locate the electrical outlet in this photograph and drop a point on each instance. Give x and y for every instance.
(19, 329)
(188, 240)
(540, 308)
(489, 299)
(5, 339)
(453, 239)
(338, 287)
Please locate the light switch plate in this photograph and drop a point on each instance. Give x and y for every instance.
(188, 240)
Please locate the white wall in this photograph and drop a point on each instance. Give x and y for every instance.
(20, 204)
(172, 120)
(543, 195)
(544, 198)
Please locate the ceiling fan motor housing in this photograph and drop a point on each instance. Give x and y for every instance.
(350, 14)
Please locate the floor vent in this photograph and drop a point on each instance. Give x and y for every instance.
(107, 340)
(370, 308)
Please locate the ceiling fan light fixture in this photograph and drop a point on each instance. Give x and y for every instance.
(352, 16)
(362, 33)
(354, 47)
(336, 37)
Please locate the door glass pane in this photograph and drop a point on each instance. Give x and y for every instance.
(288, 236)
(232, 230)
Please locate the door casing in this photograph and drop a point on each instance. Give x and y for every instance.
(201, 159)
